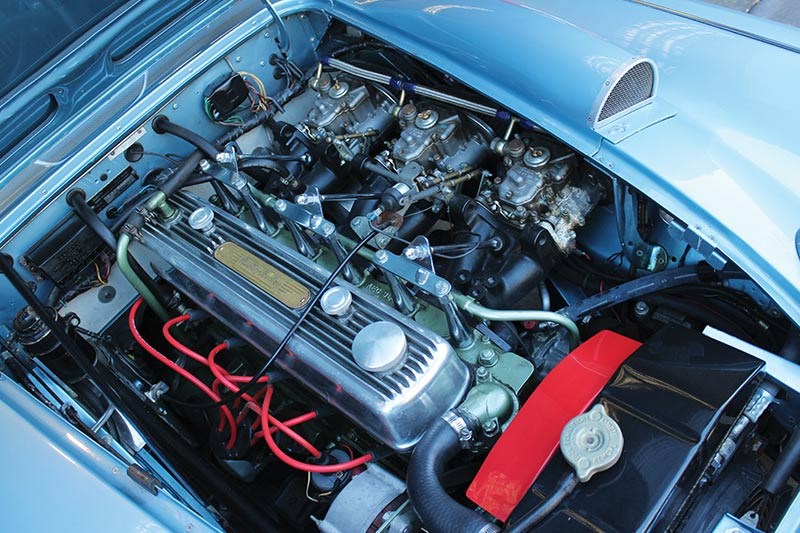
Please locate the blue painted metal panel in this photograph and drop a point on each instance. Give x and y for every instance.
(57, 479)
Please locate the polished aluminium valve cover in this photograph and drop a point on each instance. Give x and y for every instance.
(257, 287)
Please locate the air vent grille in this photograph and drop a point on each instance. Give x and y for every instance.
(634, 87)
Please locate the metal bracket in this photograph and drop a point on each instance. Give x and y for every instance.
(699, 242)
(420, 252)
(641, 254)
(305, 218)
(361, 227)
(417, 275)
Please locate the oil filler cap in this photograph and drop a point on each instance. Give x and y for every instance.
(591, 442)
(380, 347)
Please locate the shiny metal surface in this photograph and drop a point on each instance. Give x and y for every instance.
(380, 347)
(394, 407)
(201, 219)
(336, 301)
(362, 502)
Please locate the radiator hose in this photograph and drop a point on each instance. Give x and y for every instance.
(439, 512)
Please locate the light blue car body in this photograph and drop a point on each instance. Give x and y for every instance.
(718, 147)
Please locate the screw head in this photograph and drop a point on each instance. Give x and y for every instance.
(641, 308)
(280, 205)
(442, 287)
(381, 256)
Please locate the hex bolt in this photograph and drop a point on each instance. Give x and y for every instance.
(481, 374)
(490, 427)
(315, 222)
(280, 205)
(381, 256)
(487, 358)
(641, 309)
(422, 276)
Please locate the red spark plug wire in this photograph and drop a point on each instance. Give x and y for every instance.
(224, 411)
(294, 463)
(223, 378)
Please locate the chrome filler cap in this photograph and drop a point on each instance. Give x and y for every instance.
(380, 347)
(336, 301)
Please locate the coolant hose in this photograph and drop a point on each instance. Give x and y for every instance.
(137, 282)
(155, 202)
(439, 512)
(472, 307)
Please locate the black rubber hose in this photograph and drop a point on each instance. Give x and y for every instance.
(439, 512)
(225, 198)
(176, 181)
(786, 463)
(162, 124)
(77, 199)
(646, 285)
(564, 488)
(255, 210)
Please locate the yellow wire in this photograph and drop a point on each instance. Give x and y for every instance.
(261, 88)
(99, 277)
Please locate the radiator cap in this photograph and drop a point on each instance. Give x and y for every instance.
(380, 347)
(591, 442)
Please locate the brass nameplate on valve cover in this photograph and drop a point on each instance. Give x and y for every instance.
(266, 277)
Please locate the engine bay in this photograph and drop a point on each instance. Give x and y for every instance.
(338, 290)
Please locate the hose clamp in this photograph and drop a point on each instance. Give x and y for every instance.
(460, 426)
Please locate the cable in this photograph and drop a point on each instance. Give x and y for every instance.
(294, 463)
(224, 411)
(221, 376)
(293, 329)
(564, 488)
(228, 380)
(175, 343)
(639, 287)
(311, 415)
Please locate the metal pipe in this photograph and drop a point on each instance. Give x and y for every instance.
(157, 201)
(421, 90)
(472, 307)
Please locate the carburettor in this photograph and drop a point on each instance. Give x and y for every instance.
(541, 189)
(345, 110)
(436, 140)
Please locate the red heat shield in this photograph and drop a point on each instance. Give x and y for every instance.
(532, 438)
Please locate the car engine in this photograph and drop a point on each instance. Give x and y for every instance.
(359, 296)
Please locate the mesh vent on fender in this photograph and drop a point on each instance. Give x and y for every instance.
(630, 86)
